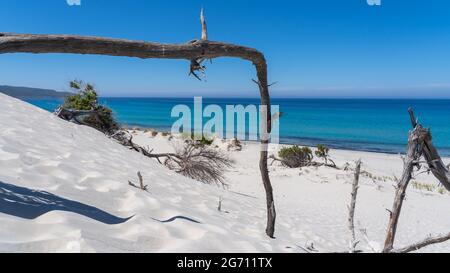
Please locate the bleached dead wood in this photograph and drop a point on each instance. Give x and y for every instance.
(415, 147)
(141, 183)
(219, 207)
(367, 240)
(74, 115)
(425, 147)
(194, 51)
(303, 163)
(427, 242)
(351, 208)
(431, 154)
(204, 26)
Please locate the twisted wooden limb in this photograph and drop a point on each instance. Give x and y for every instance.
(427, 242)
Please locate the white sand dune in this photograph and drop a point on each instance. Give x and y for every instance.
(64, 188)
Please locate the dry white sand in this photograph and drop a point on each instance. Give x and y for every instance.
(64, 188)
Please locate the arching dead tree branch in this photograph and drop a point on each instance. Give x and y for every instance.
(194, 50)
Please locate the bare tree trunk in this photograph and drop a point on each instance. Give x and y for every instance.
(415, 144)
(351, 223)
(271, 213)
(194, 51)
(435, 163)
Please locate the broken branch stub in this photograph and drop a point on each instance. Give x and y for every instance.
(204, 26)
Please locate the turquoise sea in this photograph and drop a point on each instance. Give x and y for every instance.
(357, 124)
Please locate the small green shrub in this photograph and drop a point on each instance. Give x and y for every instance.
(205, 141)
(198, 139)
(86, 100)
(423, 186)
(295, 156)
(323, 153)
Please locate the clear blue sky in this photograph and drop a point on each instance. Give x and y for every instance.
(315, 48)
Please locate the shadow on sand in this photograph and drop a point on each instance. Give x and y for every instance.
(177, 218)
(30, 204)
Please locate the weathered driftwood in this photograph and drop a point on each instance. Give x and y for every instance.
(420, 143)
(69, 114)
(194, 51)
(204, 27)
(74, 115)
(141, 183)
(351, 208)
(219, 207)
(415, 147)
(305, 163)
(127, 141)
(431, 154)
(429, 241)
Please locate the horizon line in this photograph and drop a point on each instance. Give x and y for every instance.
(279, 97)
